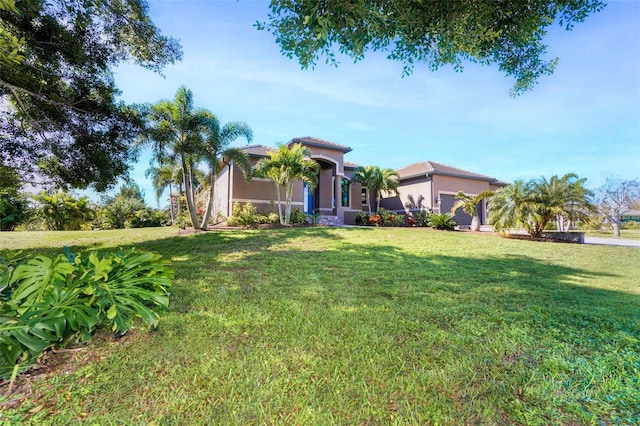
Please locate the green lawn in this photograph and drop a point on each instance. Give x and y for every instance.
(356, 326)
(629, 234)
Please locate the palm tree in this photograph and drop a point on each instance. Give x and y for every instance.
(377, 180)
(162, 178)
(469, 205)
(182, 127)
(286, 166)
(535, 203)
(216, 148)
(510, 207)
(564, 199)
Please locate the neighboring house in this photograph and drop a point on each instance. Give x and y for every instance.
(425, 185)
(631, 216)
(432, 186)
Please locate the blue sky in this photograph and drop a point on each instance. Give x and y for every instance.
(583, 119)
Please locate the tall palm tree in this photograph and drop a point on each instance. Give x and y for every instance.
(285, 166)
(216, 148)
(377, 180)
(182, 127)
(469, 205)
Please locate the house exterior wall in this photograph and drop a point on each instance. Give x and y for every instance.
(326, 189)
(221, 194)
(415, 194)
(329, 155)
(260, 192)
(446, 187)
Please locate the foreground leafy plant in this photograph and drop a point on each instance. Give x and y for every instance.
(443, 221)
(47, 302)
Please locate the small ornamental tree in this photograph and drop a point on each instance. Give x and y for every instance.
(377, 180)
(286, 166)
(617, 197)
(469, 205)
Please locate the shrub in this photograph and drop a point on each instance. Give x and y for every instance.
(273, 218)
(421, 217)
(48, 302)
(443, 221)
(298, 217)
(244, 215)
(362, 218)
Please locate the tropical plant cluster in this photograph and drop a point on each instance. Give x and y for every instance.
(53, 301)
(247, 215)
(532, 205)
(62, 211)
(383, 217)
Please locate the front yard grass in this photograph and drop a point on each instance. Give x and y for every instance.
(358, 326)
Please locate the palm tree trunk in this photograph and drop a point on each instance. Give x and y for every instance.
(279, 204)
(210, 205)
(188, 189)
(288, 196)
(171, 212)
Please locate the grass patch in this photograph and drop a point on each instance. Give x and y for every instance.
(361, 326)
(629, 234)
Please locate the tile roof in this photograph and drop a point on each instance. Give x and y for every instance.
(321, 143)
(422, 168)
(256, 150)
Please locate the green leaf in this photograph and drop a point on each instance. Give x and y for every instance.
(112, 312)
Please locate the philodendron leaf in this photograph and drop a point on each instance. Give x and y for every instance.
(101, 267)
(36, 277)
(112, 312)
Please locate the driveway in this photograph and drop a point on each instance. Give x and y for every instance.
(611, 241)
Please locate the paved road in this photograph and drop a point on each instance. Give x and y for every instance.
(611, 241)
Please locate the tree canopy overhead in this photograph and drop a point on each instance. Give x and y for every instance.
(59, 117)
(506, 33)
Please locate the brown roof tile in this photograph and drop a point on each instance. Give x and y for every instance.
(430, 167)
(256, 150)
(317, 142)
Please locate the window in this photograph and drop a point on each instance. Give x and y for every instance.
(345, 192)
(364, 196)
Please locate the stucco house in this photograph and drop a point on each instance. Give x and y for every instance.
(425, 185)
(334, 197)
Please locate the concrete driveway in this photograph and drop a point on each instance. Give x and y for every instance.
(611, 241)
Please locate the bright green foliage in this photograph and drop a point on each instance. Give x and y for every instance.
(442, 221)
(469, 203)
(121, 211)
(422, 217)
(285, 167)
(377, 180)
(179, 130)
(244, 215)
(508, 34)
(63, 212)
(63, 119)
(48, 301)
(14, 207)
(217, 153)
(532, 205)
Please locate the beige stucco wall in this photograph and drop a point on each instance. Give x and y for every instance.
(415, 194)
(261, 192)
